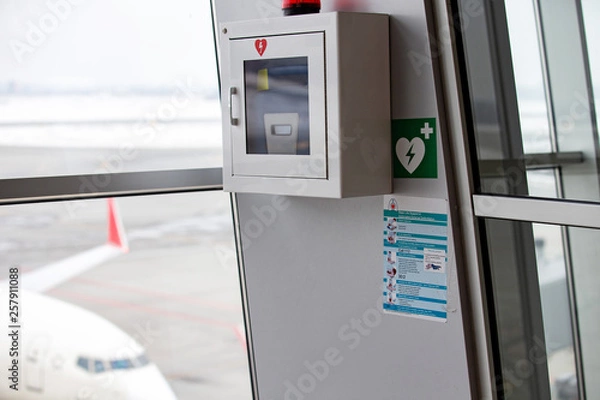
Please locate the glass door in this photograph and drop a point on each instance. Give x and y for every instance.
(531, 68)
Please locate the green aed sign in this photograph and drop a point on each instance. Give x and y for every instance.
(415, 148)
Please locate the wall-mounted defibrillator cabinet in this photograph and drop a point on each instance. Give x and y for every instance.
(306, 105)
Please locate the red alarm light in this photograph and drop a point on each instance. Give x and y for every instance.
(296, 7)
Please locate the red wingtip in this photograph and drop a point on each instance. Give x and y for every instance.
(116, 233)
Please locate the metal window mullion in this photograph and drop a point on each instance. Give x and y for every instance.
(78, 187)
(544, 211)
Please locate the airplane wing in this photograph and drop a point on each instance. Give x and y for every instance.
(52, 275)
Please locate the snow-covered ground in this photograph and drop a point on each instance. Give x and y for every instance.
(178, 120)
(46, 135)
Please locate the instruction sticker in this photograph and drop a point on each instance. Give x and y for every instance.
(415, 257)
(415, 148)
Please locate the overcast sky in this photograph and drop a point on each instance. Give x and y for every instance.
(157, 42)
(108, 43)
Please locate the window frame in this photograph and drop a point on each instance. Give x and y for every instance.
(91, 186)
(514, 206)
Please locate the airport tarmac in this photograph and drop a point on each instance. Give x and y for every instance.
(176, 291)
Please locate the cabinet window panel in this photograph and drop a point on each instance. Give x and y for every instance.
(107, 87)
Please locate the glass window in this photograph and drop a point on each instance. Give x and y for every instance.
(107, 87)
(142, 361)
(83, 363)
(532, 67)
(99, 366)
(121, 364)
(173, 296)
(591, 14)
(544, 280)
(529, 76)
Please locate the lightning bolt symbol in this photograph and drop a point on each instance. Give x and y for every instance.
(411, 154)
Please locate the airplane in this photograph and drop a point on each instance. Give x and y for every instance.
(67, 352)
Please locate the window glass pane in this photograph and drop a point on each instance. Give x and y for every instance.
(539, 274)
(83, 363)
(530, 78)
(165, 285)
(591, 15)
(99, 366)
(584, 254)
(556, 313)
(142, 360)
(110, 86)
(542, 183)
(121, 364)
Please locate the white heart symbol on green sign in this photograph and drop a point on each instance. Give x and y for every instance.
(411, 153)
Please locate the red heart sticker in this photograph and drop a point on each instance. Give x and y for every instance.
(261, 46)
